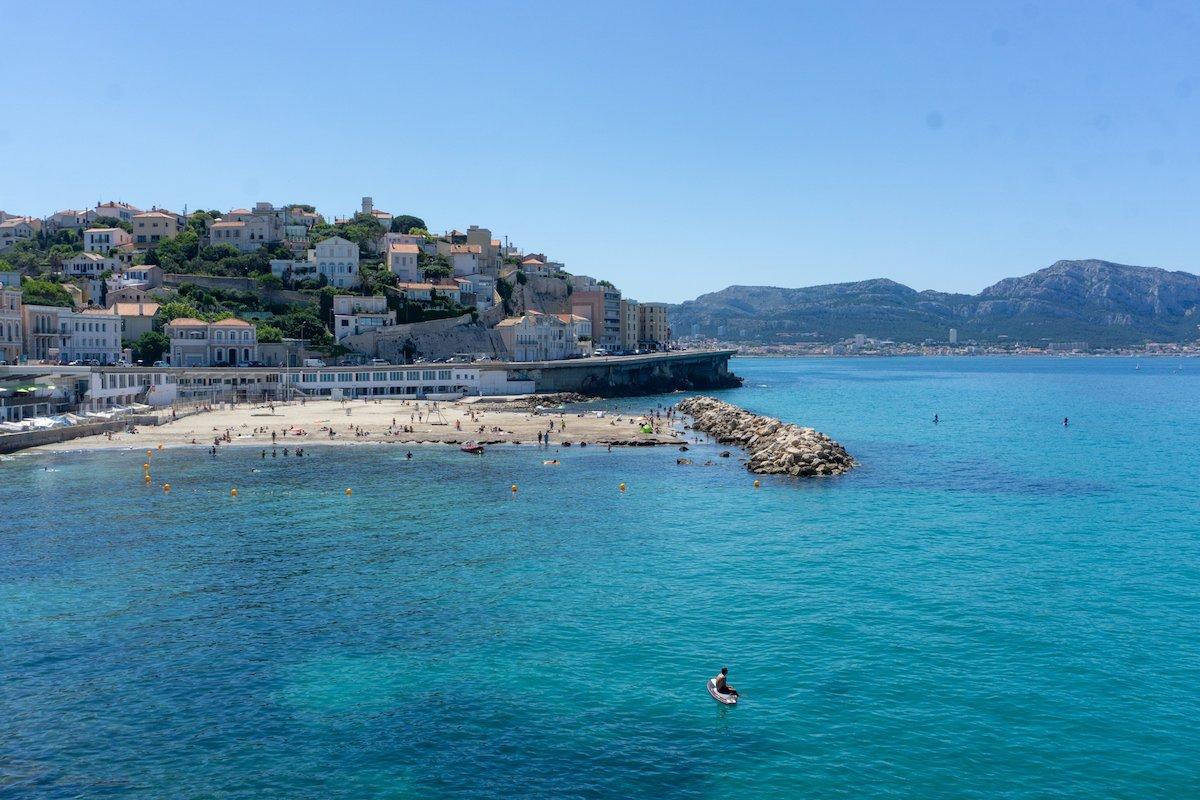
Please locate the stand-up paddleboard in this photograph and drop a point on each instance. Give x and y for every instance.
(724, 699)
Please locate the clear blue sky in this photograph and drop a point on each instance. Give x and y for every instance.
(674, 148)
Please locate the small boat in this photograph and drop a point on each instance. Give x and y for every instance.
(472, 447)
(724, 699)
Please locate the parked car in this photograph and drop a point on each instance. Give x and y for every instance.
(160, 363)
(600, 351)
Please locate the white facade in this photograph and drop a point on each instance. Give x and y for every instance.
(89, 335)
(69, 219)
(88, 265)
(353, 315)
(483, 287)
(107, 389)
(337, 259)
(102, 240)
(117, 210)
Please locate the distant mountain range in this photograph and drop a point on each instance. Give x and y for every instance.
(1099, 302)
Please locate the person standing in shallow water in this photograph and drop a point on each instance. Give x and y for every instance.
(935, 419)
(1066, 422)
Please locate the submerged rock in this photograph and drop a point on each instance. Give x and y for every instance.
(773, 447)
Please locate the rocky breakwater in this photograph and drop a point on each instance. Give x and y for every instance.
(774, 447)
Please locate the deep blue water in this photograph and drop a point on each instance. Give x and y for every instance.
(996, 606)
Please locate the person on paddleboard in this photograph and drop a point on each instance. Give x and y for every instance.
(721, 685)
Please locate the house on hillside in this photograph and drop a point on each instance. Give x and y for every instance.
(225, 343)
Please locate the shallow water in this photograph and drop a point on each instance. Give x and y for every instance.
(996, 606)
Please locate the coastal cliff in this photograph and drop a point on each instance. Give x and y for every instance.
(774, 447)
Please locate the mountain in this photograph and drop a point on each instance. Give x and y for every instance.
(1099, 302)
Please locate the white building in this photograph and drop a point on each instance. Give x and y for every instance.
(88, 265)
(426, 291)
(402, 260)
(353, 315)
(117, 210)
(90, 335)
(954, 336)
(337, 259)
(227, 342)
(481, 288)
(109, 388)
(105, 240)
(70, 219)
(534, 336)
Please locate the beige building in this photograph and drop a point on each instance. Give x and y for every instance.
(654, 331)
(226, 343)
(630, 322)
(39, 326)
(403, 262)
(70, 219)
(353, 315)
(151, 227)
(11, 338)
(18, 229)
(534, 336)
(136, 318)
(117, 210)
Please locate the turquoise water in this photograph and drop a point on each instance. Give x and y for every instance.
(997, 606)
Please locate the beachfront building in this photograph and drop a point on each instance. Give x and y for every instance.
(11, 338)
(336, 259)
(39, 328)
(629, 325)
(92, 335)
(353, 315)
(18, 229)
(111, 388)
(600, 303)
(403, 260)
(534, 336)
(105, 240)
(117, 210)
(227, 342)
(89, 265)
(151, 227)
(654, 331)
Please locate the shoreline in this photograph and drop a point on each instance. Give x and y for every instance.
(386, 422)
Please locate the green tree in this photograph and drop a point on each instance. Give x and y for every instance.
(522, 278)
(35, 292)
(268, 333)
(325, 302)
(269, 280)
(406, 222)
(150, 346)
(176, 309)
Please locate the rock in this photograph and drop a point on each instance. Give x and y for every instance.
(683, 461)
(773, 447)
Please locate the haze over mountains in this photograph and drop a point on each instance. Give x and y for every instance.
(1099, 302)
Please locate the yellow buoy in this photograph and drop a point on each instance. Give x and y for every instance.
(146, 479)
(146, 466)
(348, 493)
(756, 484)
(621, 487)
(514, 488)
(149, 453)
(166, 487)
(233, 492)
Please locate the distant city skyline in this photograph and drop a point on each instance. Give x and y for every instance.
(673, 153)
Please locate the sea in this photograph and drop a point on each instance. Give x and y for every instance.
(998, 605)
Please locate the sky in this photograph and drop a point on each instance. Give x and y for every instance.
(674, 148)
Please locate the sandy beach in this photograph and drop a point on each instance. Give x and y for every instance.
(322, 422)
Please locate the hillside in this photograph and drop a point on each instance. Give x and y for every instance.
(1099, 302)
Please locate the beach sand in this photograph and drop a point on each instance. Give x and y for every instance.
(360, 422)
